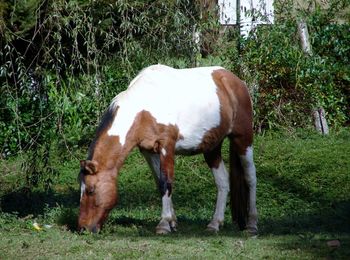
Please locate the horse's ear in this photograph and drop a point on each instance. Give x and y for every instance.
(90, 166)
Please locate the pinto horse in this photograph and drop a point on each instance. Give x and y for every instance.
(167, 111)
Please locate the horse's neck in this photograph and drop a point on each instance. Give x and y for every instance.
(109, 153)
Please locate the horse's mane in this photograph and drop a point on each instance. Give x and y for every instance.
(105, 124)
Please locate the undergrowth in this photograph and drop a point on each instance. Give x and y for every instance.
(62, 62)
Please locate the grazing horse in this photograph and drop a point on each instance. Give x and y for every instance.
(167, 111)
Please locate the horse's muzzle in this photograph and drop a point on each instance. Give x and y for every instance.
(92, 228)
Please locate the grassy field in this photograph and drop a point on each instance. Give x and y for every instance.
(303, 202)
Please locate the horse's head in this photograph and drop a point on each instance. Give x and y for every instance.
(98, 195)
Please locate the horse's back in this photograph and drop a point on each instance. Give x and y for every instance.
(171, 94)
(194, 100)
(165, 79)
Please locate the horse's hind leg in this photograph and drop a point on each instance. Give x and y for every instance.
(243, 175)
(215, 162)
(250, 177)
(168, 217)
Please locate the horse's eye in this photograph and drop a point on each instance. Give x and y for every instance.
(90, 190)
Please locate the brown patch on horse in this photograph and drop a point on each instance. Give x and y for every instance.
(213, 158)
(235, 112)
(105, 149)
(149, 135)
(236, 109)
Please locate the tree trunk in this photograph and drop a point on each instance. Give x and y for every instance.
(319, 114)
(304, 37)
(320, 121)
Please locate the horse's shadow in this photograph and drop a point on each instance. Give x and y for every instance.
(335, 221)
(26, 203)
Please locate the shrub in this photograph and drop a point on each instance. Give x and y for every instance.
(62, 64)
(286, 85)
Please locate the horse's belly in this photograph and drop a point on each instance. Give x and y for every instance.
(194, 126)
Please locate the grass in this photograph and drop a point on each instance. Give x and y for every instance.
(303, 202)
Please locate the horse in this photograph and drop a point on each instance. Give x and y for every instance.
(165, 112)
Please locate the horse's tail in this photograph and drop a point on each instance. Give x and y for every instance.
(239, 189)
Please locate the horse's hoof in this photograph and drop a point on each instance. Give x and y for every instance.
(252, 232)
(213, 228)
(162, 231)
(163, 228)
(173, 226)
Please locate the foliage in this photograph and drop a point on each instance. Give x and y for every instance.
(274, 57)
(286, 84)
(61, 62)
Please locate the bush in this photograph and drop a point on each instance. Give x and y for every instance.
(286, 85)
(61, 66)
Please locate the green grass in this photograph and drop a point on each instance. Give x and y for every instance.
(302, 198)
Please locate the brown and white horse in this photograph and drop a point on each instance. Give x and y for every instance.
(167, 111)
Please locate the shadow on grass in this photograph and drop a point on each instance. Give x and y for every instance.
(335, 219)
(31, 204)
(331, 217)
(24, 202)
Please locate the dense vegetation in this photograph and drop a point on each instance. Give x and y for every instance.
(61, 62)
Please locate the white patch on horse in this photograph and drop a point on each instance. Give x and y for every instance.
(223, 185)
(248, 165)
(186, 98)
(163, 151)
(82, 189)
(167, 209)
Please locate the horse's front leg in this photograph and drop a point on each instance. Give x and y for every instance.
(168, 217)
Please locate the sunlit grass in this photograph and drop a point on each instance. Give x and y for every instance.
(303, 202)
